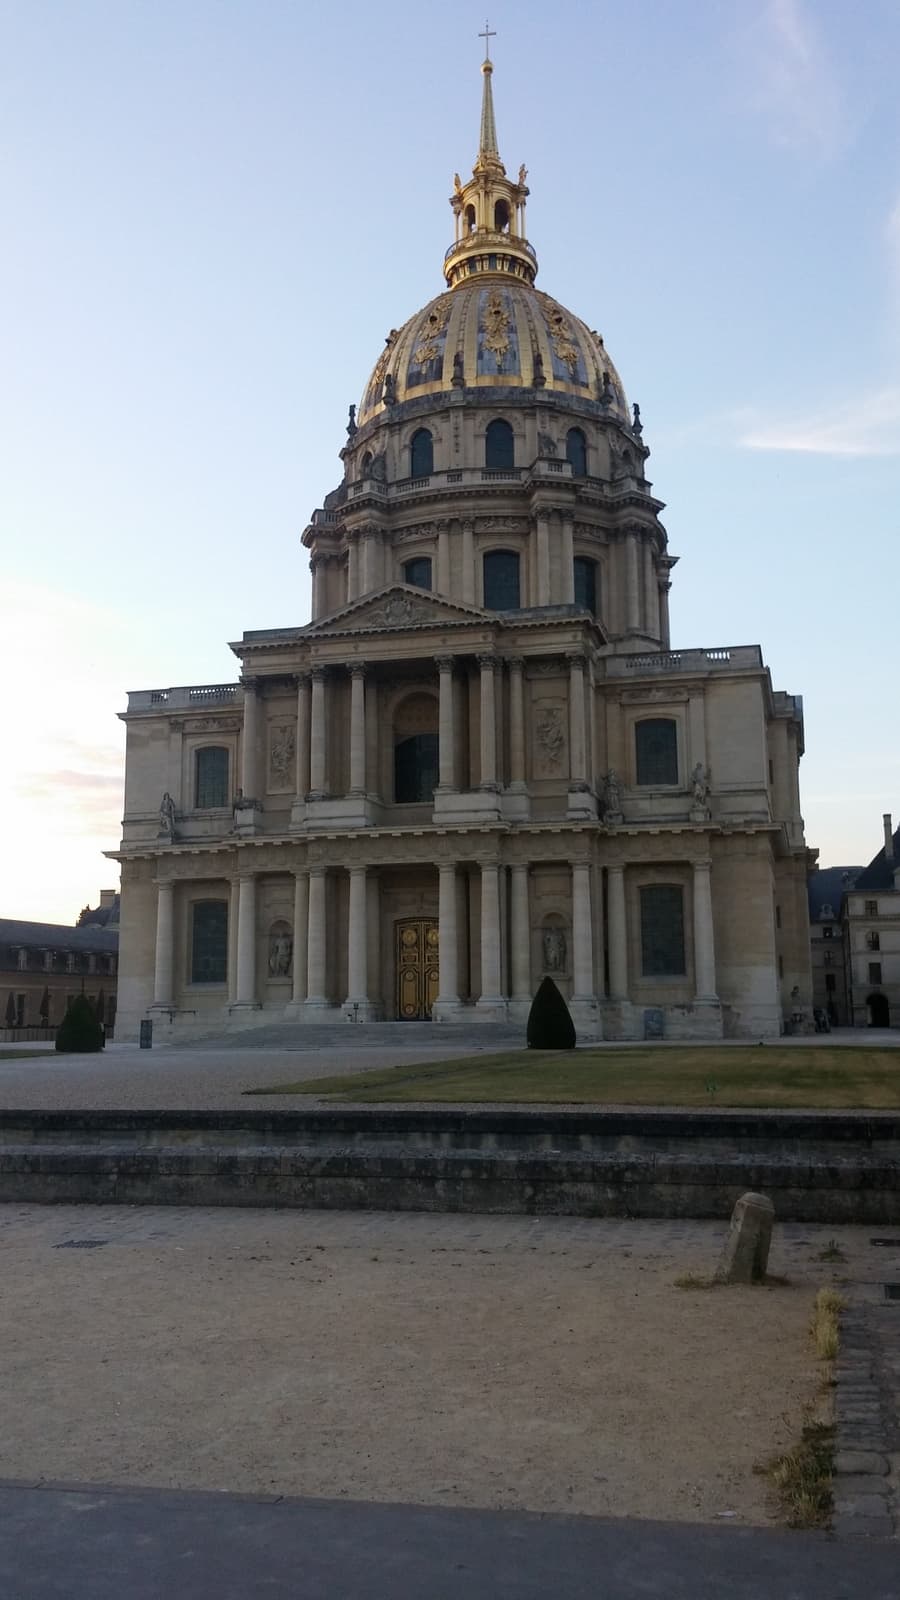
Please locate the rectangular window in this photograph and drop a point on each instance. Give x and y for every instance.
(828, 959)
(827, 933)
(781, 966)
(585, 572)
(209, 941)
(212, 778)
(874, 971)
(771, 773)
(871, 908)
(662, 931)
(656, 751)
(873, 941)
(778, 916)
(830, 982)
(20, 1011)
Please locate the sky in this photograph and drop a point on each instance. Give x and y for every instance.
(214, 211)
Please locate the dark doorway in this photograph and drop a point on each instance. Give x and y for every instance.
(879, 1011)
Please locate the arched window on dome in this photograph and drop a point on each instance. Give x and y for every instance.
(470, 219)
(421, 454)
(501, 580)
(366, 465)
(501, 217)
(576, 452)
(499, 446)
(417, 572)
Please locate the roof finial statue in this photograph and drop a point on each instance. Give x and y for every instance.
(351, 424)
(637, 426)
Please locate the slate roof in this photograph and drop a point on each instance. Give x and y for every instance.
(879, 874)
(56, 936)
(826, 888)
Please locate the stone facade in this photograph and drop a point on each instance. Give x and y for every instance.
(44, 965)
(481, 761)
(870, 920)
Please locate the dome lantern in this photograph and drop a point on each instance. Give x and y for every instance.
(489, 210)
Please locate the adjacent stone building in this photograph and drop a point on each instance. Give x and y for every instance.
(870, 917)
(43, 965)
(827, 887)
(482, 760)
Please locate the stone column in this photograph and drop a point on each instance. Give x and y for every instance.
(651, 592)
(315, 567)
(371, 560)
(618, 935)
(250, 740)
(447, 936)
(317, 735)
(301, 935)
(516, 723)
(488, 723)
(443, 558)
(164, 968)
(632, 593)
(567, 562)
(468, 563)
(576, 720)
(704, 946)
(490, 935)
(246, 943)
(233, 904)
(316, 953)
(582, 933)
(665, 636)
(358, 728)
(543, 559)
(446, 728)
(302, 735)
(520, 934)
(352, 565)
(358, 941)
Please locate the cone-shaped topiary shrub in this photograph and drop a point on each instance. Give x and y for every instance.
(79, 1029)
(549, 1025)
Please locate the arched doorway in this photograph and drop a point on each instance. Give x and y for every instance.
(879, 1011)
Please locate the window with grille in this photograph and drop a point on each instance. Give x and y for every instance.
(873, 940)
(586, 583)
(501, 580)
(576, 452)
(871, 908)
(499, 446)
(418, 572)
(211, 787)
(656, 751)
(874, 971)
(421, 454)
(209, 941)
(662, 931)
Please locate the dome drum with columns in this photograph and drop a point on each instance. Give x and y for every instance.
(481, 762)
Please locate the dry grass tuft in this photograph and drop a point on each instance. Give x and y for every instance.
(802, 1478)
(831, 1252)
(694, 1280)
(826, 1325)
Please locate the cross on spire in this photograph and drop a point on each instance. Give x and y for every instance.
(488, 34)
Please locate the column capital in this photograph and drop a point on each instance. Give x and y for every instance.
(444, 663)
(250, 685)
(487, 663)
(575, 658)
(357, 669)
(516, 663)
(318, 673)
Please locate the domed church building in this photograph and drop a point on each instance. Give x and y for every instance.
(481, 761)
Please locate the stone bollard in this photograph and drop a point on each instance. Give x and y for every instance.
(746, 1253)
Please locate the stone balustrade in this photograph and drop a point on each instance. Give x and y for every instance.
(188, 697)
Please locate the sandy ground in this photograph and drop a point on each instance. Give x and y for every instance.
(498, 1362)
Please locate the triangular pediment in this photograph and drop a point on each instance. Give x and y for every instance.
(395, 609)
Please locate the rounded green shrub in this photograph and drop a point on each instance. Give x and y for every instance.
(80, 1029)
(550, 1026)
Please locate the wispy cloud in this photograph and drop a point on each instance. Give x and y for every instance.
(795, 86)
(866, 426)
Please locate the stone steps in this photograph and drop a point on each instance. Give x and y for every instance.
(363, 1036)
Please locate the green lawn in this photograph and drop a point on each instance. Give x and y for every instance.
(823, 1076)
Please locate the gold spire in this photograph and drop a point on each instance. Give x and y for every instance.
(490, 209)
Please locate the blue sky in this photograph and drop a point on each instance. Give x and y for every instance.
(214, 212)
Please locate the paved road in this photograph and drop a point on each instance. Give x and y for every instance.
(59, 1544)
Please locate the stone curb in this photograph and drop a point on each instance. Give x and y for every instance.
(863, 1495)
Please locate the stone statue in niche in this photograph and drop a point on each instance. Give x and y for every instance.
(281, 755)
(281, 951)
(546, 445)
(612, 795)
(550, 736)
(167, 817)
(700, 786)
(554, 941)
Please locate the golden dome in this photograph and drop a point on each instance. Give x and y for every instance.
(493, 333)
(491, 328)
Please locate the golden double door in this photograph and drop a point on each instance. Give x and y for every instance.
(417, 968)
